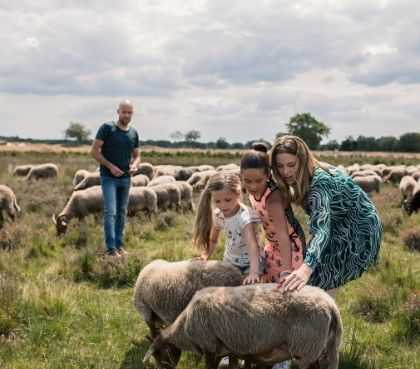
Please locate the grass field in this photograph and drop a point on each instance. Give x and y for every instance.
(62, 305)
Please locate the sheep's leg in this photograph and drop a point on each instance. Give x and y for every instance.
(211, 362)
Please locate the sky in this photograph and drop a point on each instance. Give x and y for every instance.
(235, 69)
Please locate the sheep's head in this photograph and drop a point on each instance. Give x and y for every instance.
(166, 354)
(61, 223)
(406, 206)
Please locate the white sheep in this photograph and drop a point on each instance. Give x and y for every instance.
(90, 180)
(8, 204)
(161, 180)
(42, 171)
(406, 187)
(258, 323)
(79, 176)
(369, 183)
(22, 170)
(412, 205)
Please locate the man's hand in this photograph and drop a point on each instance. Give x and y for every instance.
(115, 171)
(133, 170)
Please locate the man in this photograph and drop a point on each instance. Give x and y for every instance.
(116, 148)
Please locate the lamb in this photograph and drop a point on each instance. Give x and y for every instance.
(22, 170)
(161, 180)
(163, 289)
(369, 183)
(79, 176)
(254, 323)
(89, 201)
(42, 171)
(412, 205)
(406, 187)
(8, 204)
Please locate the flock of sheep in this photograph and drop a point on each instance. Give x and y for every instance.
(200, 306)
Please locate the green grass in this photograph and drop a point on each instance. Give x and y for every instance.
(62, 305)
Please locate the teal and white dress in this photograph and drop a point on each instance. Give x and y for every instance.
(345, 227)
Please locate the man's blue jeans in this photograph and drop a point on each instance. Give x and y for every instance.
(115, 196)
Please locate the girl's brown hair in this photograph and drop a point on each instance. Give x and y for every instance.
(257, 158)
(204, 218)
(307, 163)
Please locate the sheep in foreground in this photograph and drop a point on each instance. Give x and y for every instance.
(163, 289)
(22, 170)
(42, 171)
(369, 183)
(254, 323)
(8, 204)
(89, 201)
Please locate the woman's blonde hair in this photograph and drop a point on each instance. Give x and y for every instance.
(204, 218)
(306, 166)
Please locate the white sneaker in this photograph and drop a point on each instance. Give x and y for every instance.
(224, 363)
(282, 365)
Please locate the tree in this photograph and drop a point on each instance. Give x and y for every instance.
(78, 132)
(221, 143)
(177, 136)
(387, 143)
(349, 144)
(410, 142)
(192, 136)
(308, 129)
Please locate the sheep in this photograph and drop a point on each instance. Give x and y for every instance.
(166, 170)
(364, 173)
(395, 175)
(186, 195)
(204, 168)
(42, 171)
(163, 200)
(79, 176)
(369, 183)
(412, 205)
(228, 167)
(90, 201)
(416, 175)
(183, 174)
(146, 169)
(353, 168)
(140, 180)
(259, 323)
(8, 204)
(22, 170)
(199, 180)
(174, 194)
(161, 180)
(163, 289)
(406, 187)
(90, 180)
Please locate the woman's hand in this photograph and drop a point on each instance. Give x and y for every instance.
(297, 279)
(251, 278)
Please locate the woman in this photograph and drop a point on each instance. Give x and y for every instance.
(344, 224)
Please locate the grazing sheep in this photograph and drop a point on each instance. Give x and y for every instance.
(166, 170)
(79, 176)
(228, 167)
(89, 201)
(416, 175)
(186, 195)
(395, 175)
(199, 180)
(146, 169)
(90, 180)
(258, 323)
(205, 168)
(183, 174)
(22, 170)
(163, 289)
(8, 204)
(161, 180)
(353, 168)
(42, 171)
(163, 200)
(174, 192)
(140, 180)
(406, 187)
(412, 205)
(364, 173)
(369, 183)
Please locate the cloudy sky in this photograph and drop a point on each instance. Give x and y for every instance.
(236, 69)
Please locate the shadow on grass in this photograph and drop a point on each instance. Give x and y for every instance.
(133, 358)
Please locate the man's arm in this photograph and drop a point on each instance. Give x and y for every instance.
(96, 152)
(135, 160)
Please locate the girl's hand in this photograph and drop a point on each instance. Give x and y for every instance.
(251, 279)
(297, 279)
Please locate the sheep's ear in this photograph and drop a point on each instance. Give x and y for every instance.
(54, 218)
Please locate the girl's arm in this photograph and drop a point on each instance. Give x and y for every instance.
(275, 207)
(214, 237)
(254, 253)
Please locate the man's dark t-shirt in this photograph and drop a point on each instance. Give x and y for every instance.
(118, 146)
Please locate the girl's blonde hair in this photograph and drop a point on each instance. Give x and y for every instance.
(307, 163)
(204, 218)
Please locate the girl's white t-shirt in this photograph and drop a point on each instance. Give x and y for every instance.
(236, 248)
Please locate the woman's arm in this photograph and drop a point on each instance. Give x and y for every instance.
(254, 253)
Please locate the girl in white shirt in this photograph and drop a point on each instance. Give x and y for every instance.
(219, 209)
